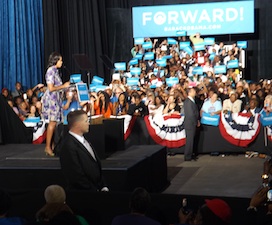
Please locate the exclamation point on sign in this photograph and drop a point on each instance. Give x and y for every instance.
(241, 13)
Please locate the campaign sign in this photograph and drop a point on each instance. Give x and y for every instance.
(135, 71)
(199, 47)
(266, 119)
(242, 44)
(171, 81)
(132, 81)
(184, 44)
(120, 66)
(138, 41)
(138, 56)
(100, 88)
(153, 86)
(211, 57)
(220, 69)
(167, 57)
(149, 56)
(181, 33)
(232, 64)
(161, 73)
(82, 92)
(208, 119)
(171, 41)
(188, 50)
(133, 61)
(197, 70)
(161, 62)
(147, 45)
(75, 78)
(209, 41)
(97, 80)
(230, 17)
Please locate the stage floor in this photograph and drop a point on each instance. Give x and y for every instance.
(229, 176)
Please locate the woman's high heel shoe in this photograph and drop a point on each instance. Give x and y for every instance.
(49, 153)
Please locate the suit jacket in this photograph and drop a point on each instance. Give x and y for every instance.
(191, 114)
(80, 169)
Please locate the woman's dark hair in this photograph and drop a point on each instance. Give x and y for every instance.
(140, 200)
(161, 99)
(125, 100)
(53, 59)
(107, 101)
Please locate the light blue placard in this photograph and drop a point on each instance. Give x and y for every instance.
(147, 45)
(161, 73)
(121, 66)
(132, 81)
(100, 88)
(233, 64)
(184, 44)
(75, 78)
(153, 86)
(209, 41)
(242, 44)
(138, 56)
(198, 70)
(211, 57)
(266, 119)
(181, 33)
(167, 57)
(32, 120)
(220, 69)
(207, 119)
(135, 71)
(189, 50)
(171, 81)
(97, 80)
(171, 41)
(133, 61)
(161, 62)
(138, 41)
(211, 18)
(149, 56)
(199, 47)
(82, 91)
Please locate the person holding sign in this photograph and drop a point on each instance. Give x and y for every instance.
(52, 98)
(213, 106)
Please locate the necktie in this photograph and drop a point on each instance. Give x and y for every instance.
(89, 148)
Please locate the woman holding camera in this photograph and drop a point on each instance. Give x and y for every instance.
(52, 99)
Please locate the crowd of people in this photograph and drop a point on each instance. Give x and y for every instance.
(214, 92)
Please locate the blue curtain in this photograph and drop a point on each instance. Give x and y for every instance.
(21, 43)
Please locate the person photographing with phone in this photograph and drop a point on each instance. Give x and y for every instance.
(52, 99)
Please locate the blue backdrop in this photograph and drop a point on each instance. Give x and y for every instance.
(21, 43)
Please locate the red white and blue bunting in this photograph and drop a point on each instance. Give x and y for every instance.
(166, 130)
(239, 129)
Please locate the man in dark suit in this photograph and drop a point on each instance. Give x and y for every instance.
(191, 121)
(79, 162)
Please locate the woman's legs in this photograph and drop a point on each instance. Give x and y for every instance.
(49, 135)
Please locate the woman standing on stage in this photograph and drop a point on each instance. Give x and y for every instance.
(52, 99)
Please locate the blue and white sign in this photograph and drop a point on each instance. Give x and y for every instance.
(266, 119)
(233, 64)
(161, 62)
(220, 69)
(82, 91)
(199, 47)
(120, 66)
(211, 56)
(207, 18)
(97, 80)
(167, 57)
(132, 81)
(171, 81)
(138, 56)
(135, 71)
(208, 119)
(242, 44)
(147, 45)
(171, 41)
(133, 61)
(197, 70)
(138, 41)
(189, 50)
(75, 78)
(149, 56)
(184, 44)
(181, 33)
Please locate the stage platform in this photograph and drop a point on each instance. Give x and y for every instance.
(25, 166)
